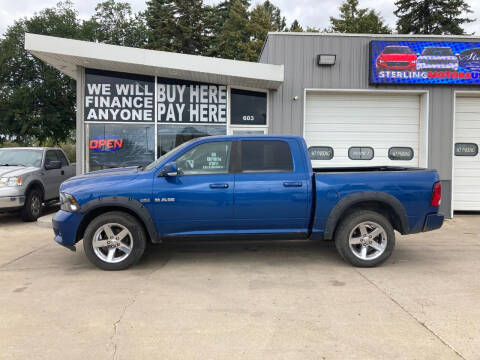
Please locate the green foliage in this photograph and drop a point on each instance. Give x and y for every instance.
(115, 23)
(360, 21)
(439, 17)
(177, 25)
(36, 101)
(295, 27)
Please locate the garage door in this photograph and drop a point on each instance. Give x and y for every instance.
(362, 129)
(466, 182)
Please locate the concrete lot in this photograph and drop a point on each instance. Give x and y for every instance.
(254, 300)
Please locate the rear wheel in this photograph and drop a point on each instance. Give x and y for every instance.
(365, 238)
(33, 206)
(114, 241)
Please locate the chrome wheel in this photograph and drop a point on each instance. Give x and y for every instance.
(35, 205)
(368, 240)
(112, 243)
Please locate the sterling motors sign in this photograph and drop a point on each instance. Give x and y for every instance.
(186, 102)
(424, 62)
(111, 96)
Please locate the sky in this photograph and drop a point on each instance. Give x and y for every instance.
(313, 13)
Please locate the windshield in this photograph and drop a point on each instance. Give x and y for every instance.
(21, 157)
(163, 157)
(437, 52)
(397, 50)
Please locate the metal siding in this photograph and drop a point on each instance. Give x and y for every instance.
(351, 71)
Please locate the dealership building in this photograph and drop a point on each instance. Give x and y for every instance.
(359, 100)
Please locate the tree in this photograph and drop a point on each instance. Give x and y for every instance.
(115, 23)
(355, 20)
(37, 102)
(439, 17)
(177, 25)
(295, 27)
(234, 38)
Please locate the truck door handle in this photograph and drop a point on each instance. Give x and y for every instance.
(63, 172)
(292, 184)
(218, 186)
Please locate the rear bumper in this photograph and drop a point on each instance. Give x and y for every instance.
(11, 202)
(433, 222)
(65, 226)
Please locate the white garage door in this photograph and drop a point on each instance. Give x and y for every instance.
(466, 182)
(354, 123)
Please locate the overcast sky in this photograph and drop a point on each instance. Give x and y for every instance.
(314, 13)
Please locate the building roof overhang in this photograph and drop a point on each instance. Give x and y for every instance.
(67, 55)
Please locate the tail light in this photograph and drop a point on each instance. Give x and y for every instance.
(436, 194)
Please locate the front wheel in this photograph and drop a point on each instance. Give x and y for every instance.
(114, 241)
(365, 238)
(33, 206)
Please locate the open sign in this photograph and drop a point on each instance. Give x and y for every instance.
(105, 143)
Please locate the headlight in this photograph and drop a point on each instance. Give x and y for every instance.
(68, 203)
(10, 181)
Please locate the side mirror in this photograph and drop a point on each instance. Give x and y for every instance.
(170, 169)
(54, 164)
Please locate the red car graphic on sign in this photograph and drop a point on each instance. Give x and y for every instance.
(400, 58)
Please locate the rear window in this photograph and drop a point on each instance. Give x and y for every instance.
(266, 156)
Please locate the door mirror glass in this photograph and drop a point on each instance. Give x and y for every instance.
(53, 164)
(170, 169)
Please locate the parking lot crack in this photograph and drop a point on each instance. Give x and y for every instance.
(116, 324)
(22, 256)
(421, 323)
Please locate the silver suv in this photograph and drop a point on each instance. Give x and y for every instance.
(30, 177)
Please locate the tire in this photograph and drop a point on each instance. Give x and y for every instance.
(365, 227)
(32, 209)
(124, 250)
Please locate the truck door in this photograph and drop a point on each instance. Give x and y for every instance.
(271, 192)
(200, 199)
(53, 177)
(66, 170)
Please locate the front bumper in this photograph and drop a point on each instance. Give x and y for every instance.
(65, 227)
(10, 202)
(433, 222)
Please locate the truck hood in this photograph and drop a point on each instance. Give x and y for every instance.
(9, 171)
(107, 172)
(102, 181)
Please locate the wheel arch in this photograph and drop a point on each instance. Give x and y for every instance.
(35, 184)
(384, 203)
(130, 206)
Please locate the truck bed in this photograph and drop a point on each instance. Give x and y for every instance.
(365, 169)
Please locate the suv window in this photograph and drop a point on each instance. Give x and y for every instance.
(51, 155)
(206, 158)
(62, 158)
(266, 156)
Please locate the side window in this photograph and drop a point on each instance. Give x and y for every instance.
(62, 158)
(51, 155)
(266, 156)
(207, 158)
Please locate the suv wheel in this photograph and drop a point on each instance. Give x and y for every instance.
(365, 239)
(114, 241)
(33, 206)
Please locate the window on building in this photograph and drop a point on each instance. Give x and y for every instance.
(400, 153)
(248, 107)
(320, 152)
(120, 145)
(361, 153)
(170, 136)
(207, 158)
(466, 149)
(266, 156)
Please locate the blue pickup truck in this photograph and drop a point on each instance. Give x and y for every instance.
(260, 187)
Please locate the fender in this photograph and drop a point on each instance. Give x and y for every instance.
(125, 202)
(357, 198)
(37, 183)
